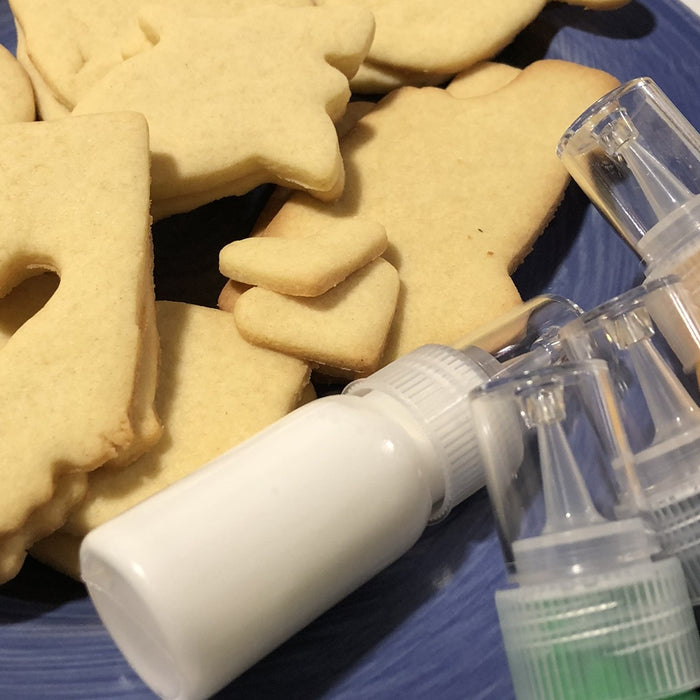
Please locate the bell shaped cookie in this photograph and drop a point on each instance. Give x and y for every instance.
(463, 188)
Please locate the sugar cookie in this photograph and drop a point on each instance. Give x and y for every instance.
(75, 196)
(210, 401)
(73, 43)
(307, 267)
(481, 79)
(16, 94)
(279, 74)
(417, 40)
(344, 329)
(230, 293)
(463, 188)
(47, 105)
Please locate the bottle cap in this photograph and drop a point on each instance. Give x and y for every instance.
(592, 616)
(434, 383)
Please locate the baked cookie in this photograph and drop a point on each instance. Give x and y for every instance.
(463, 187)
(16, 94)
(343, 331)
(306, 267)
(72, 44)
(279, 74)
(210, 401)
(47, 105)
(481, 79)
(424, 42)
(75, 196)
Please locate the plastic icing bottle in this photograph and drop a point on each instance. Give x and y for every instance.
(638, 159)
(202, 580)
(660, 417)
(591, 614)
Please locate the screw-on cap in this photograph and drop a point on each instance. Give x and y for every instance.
(676, 520)
(624, 635)
(434, 383)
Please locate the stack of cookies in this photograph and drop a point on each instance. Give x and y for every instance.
(396, 222)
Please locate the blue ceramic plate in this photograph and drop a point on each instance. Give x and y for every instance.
(425, 627)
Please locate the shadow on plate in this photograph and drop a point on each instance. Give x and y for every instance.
(186, 246)
(550, 250)
(39, 585)
(632, 21)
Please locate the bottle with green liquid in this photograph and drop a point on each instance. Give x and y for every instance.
(593, 612)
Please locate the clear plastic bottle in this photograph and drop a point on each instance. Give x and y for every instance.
(638, 160)
(591, 614)
(660, 416)
(202, 580)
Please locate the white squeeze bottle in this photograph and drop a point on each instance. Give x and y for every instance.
(202, 580)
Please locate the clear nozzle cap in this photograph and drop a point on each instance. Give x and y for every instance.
(660, 416)
(556, 500)
(638, 160)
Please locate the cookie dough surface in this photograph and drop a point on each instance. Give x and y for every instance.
(307, 267)
(481, 79)
(233, 103)
(16, 94)
(344, 330)
(215, 390)
(444, 37)
(73, 43)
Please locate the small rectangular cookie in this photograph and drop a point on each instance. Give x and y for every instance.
(305, 267)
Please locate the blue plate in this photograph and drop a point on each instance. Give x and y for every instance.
(426, 626)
